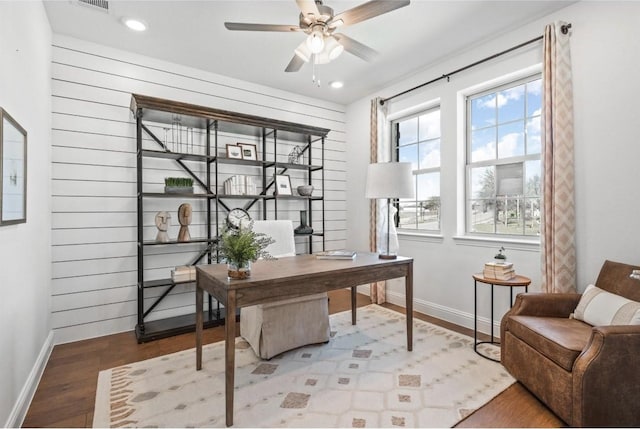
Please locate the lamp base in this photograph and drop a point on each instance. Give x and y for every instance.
(385, 256)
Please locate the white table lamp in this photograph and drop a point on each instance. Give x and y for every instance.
(390, 180)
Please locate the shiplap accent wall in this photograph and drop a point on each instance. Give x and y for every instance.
(94, 178)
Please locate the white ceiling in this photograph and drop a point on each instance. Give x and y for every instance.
(192, 33)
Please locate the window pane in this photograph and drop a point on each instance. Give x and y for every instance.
(409, 154)
(408, 131)
(482, 216)
(428, 204)
(429, 124)
(509, 179)
(407, 218)
(511, 140)
(533, 136)
(429, 154)
(483, 111)
(534, 98)
(504, 126)
(532, 216)
(510, 215)
(483, 145)
(511, 104)
(483, 182)
(533, 183)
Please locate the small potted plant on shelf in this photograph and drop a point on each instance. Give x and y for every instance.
(238, 247)
(500, 257)
(182, 185)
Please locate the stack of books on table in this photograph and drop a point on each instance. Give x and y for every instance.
(336, 254)
(183, 273)
(499, 270)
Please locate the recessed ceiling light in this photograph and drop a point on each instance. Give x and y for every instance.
(134, 24)
(336, 84)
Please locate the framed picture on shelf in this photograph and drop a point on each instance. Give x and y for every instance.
(234, 152)
(249, 151)
(13, 171)
(283, 184)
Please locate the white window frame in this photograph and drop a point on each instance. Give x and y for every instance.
(512, 81)
(393, 123)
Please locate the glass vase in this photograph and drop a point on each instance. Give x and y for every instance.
(239, 272)
(303, 228)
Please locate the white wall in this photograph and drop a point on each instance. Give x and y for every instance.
(605, 43)
(94, 179)
(25, 249)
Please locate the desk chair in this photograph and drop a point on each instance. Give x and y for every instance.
(279, 326)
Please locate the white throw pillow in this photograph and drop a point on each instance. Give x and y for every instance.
(598, 307)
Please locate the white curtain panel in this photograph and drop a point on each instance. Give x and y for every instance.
(558, 206)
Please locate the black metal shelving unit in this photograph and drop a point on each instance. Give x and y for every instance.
(212, 122)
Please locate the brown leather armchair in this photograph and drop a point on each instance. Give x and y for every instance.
(588, 375)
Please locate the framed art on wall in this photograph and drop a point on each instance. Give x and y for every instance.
(249, 151)
(234, 151)
(13, 171)
(283, 184)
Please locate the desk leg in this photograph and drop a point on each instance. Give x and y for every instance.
(230, 354)
(353, 304)
(199, 323)
(408, 286)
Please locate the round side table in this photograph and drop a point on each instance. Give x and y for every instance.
(517, 281)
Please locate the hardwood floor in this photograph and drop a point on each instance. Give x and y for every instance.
(66, 394)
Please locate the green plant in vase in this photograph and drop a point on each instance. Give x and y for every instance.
(239, 247)
(178, 184)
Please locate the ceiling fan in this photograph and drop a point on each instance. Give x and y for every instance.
(318, 21)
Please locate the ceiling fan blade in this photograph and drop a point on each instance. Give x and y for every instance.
(308, 7)
(368, 10)
(240, 26)
(356, 48)
(295, 64)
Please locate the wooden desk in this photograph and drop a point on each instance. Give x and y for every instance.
(291, 277)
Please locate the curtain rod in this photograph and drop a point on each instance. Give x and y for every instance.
(564, 29)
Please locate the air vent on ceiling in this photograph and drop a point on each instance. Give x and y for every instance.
(102, 5)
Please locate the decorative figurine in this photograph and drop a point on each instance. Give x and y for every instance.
(163, 219)
(184, 217)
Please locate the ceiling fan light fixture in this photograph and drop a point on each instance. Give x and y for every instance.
(315, 41)
(337, 23)
(303, 52)
(333, 48)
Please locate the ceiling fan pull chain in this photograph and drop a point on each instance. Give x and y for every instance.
(313, 71)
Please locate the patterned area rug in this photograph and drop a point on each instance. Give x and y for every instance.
(364, 377)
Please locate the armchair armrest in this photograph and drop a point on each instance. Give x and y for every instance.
(541, 305)
(545, 304)
(606, 382)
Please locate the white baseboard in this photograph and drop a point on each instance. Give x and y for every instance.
(19, 411)
(447, 314)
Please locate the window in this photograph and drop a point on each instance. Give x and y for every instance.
(416, 139)
(503, 159)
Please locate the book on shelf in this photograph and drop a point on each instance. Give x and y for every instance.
(336, 254)
(183, 274)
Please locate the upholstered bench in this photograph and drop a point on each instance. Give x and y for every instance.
(279, 326)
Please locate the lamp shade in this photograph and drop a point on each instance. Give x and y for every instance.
(390, 180)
